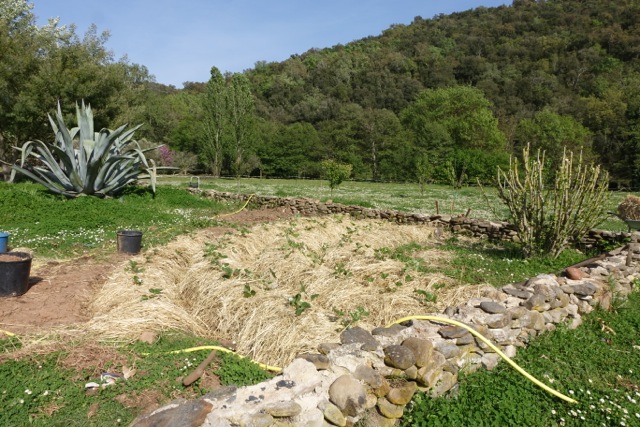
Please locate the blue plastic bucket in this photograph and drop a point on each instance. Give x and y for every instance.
(4, 241)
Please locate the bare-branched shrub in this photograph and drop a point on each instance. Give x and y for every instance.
(184, 161)
(550, 218)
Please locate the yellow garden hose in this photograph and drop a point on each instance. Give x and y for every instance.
(493, 347)
(224, 350)
(239, 210)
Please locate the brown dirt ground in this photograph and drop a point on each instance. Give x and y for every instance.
(60, 289)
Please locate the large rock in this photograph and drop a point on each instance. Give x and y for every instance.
(452, 331)
(492, 307)
(283, 409)
(374, 379)
(402, 395)
(333, 414)
(320, 361)
(422, 349)
(388, 409)
(399, 356)
(189, 414)
(359, 335)
(348, 394)
(574, 273)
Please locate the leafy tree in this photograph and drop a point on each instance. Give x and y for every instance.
(293, 152)
(335, 173)
(554, 134)
(23, 50)
(380, 131)
(447, 123)
(213, 123)
(461, 111)
(241, 119)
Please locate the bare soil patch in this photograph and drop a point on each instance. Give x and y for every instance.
(58, 293)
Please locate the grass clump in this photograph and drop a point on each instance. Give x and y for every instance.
(596, 364)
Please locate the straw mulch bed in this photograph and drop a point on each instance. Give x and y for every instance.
(240, 286)
(629, 208)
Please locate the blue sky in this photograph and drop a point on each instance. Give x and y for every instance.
(180, 41)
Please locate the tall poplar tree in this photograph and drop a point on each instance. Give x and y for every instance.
(213, 123)
(240, 114)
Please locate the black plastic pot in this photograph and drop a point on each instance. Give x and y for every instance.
(129, 241)
(15, 268)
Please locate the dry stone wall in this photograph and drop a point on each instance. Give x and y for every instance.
(494, 230)
(370, 376)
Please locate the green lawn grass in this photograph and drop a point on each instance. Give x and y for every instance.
(53, 226)
(479, 202)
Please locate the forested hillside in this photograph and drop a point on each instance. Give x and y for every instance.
(555, 72)
(442, 99)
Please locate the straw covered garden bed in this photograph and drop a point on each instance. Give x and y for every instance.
(278, 289)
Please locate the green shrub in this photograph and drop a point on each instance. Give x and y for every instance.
(336, 172)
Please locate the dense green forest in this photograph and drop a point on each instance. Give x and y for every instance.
(443, 99)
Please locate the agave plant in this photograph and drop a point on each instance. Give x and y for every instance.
(84, 162)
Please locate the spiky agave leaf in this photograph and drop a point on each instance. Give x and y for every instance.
(102, 164)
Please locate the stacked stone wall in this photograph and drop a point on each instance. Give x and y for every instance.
(494, 230)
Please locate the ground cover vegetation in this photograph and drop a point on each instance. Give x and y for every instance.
(48, 388)
(474, 201)
(444, 99)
